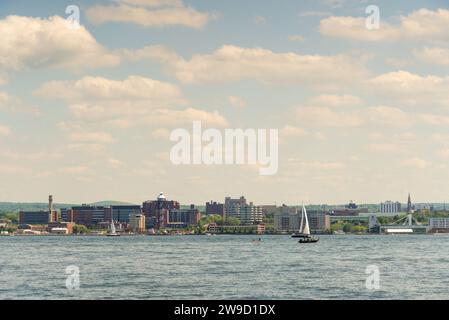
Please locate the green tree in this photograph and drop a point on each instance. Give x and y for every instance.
(232, 221)
(347, 227)
(80, 229)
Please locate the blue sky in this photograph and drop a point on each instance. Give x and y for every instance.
(362, 115)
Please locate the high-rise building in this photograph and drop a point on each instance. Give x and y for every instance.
(319, 222)
(156, 211)
(137, 222)
(390, 207)
(246, 213)
(287, 219)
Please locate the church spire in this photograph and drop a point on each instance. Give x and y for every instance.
(409, 204)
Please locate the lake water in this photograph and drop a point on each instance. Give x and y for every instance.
(224, 267)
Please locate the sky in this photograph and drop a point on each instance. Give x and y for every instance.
(86, 113)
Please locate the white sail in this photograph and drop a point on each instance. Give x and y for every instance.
(302, 219)
(112, 227)
(306, 226)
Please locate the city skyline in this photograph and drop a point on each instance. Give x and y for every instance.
(86, 113)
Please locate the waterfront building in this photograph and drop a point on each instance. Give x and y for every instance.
(181, 218)
(287, 219)
(157, 211)
(59, 227)
(390, 207)
(319, 222)
(4, 223)
(437, 225)
(67, 215)
(87, 215)
(213, 207)
(248, 214)
(37, 217)
(137, 222)
(121, 213)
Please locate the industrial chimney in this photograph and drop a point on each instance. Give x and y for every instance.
(50, 208)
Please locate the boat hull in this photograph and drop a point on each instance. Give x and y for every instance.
(309, 240)
(300, 235)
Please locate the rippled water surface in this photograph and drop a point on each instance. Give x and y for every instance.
(224, 267)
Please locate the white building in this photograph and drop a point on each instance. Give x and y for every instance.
(441, 224)
(137, 222)
(390, 207)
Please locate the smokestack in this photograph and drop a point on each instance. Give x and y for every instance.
(50, 208)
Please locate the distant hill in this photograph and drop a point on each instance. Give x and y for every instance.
(36, 206)
(27, 206)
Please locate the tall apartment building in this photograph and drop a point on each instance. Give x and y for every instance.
(390, 207)
(247, 213)
(287, 219)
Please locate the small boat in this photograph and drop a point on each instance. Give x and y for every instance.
(304, 233)
(113, 232)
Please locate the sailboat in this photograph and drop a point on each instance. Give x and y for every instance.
(113, 232)
(304, 232)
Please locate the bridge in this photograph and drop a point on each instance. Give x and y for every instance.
(405, 225)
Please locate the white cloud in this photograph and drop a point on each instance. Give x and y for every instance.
(412, 88)
(314, 13)
(13, 104)
(259, 19)
(315, 164)
(375, 116)
(415, 162)
(335, 101)
(28, 42)
(127, 103)
(4, 131)
(292, 132)
(115, 163)
(420, 25)
(73, 169)
(92, 137)
(326, 117)
(233, 63)
(296, 37)
(153, 92)
(436, 56)
(149, 14)
(237, 101)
